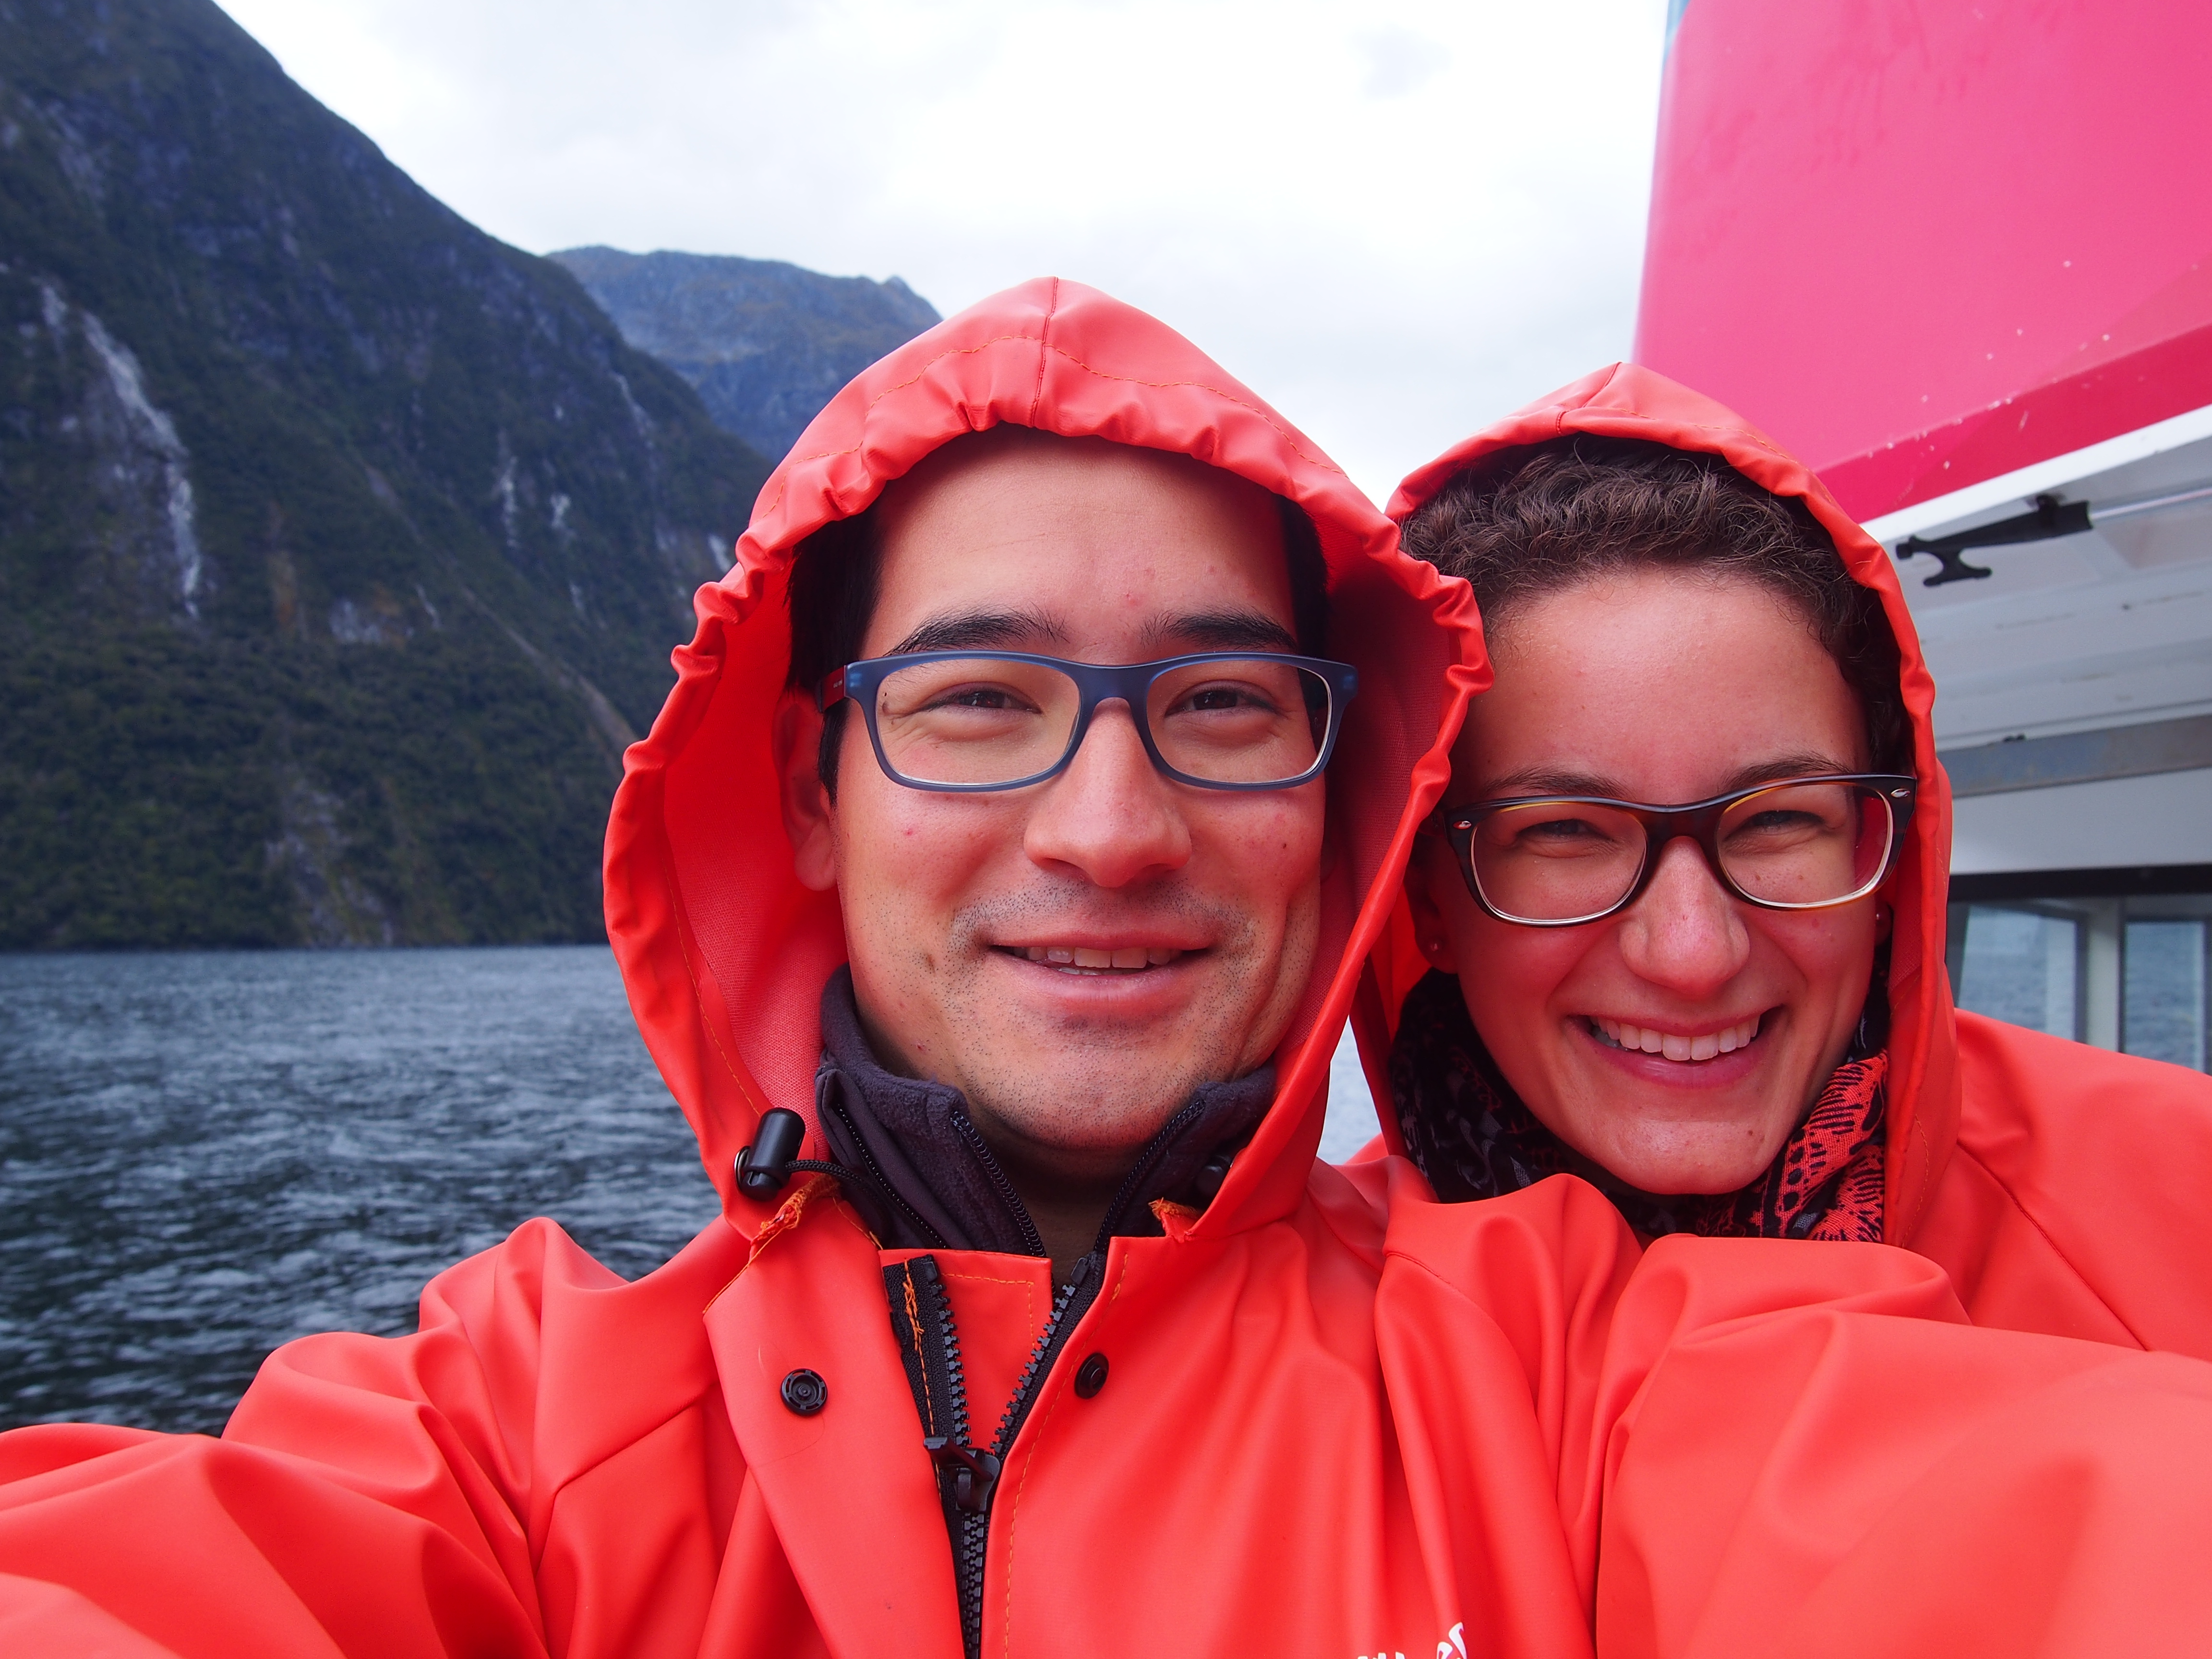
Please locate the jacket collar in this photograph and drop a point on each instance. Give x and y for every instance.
(917, 1139)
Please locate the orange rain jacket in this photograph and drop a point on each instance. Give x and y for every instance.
(1340, 1418)
(2062, 1187)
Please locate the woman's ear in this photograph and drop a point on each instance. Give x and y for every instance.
(1429, 933)
(809, 815)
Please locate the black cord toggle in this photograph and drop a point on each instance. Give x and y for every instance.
(764, 1167)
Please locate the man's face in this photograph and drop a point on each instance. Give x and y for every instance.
(1177, 924)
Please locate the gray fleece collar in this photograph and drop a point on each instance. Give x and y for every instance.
(916, 1137)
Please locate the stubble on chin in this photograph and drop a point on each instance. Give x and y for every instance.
(1100, 1082)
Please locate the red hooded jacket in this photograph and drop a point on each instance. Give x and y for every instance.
(2062, 1187)
(1340, 1418)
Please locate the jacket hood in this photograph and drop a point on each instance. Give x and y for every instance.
(723, 953)
(1625, 401)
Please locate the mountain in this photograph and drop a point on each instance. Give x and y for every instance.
(342, 546)
(766, 343)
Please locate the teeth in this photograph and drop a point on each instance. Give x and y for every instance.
(1129, 957)
(1621, 1035)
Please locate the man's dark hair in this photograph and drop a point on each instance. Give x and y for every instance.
(833, 588)
(1533, 521)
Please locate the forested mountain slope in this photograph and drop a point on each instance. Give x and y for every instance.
(342, 546)
(765, 343)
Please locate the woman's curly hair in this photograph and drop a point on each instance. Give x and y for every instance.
(1534, 521)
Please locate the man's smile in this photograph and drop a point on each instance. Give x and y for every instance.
(1097, 959)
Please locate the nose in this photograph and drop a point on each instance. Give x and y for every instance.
(1684, 933)
(1111, 817)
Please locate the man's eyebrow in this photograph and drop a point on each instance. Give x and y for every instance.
(1221, 630)
(1544, 780)
(982, 630)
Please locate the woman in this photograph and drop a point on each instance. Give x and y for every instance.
(1735, 1020)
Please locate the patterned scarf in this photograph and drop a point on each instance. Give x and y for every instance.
(1470, 1135)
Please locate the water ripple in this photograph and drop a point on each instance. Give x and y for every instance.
(206, 1154)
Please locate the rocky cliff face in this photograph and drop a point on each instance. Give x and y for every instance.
(765, 343)
(342, 547)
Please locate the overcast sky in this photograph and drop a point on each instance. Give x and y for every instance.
(1394, 220)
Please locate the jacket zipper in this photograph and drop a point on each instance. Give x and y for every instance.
(929, 1343)
(982, 1469)
(1032, 1241)
(968, 1479)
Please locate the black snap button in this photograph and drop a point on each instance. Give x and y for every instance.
(805, 1392)
(1091, 1376)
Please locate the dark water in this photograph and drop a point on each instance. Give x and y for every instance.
(205, 1155)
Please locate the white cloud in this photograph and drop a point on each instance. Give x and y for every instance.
(1399, 61)
(1395, 221)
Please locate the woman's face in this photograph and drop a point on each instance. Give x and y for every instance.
(1665, 688)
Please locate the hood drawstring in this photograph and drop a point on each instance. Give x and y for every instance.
(764, 1167)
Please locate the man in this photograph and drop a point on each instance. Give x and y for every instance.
(1014, 950)
(1031, 1326)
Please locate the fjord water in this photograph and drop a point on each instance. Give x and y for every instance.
(205, 1154)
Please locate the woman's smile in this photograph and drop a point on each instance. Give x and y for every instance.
(1675, 1046)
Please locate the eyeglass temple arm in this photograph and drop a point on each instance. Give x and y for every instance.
(832, 690)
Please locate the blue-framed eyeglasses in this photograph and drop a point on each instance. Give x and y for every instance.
(974, 720)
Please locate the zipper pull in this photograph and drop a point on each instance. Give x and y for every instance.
(975, 1473)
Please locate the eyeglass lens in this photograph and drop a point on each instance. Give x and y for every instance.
(985, 720)
(1799, 844)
